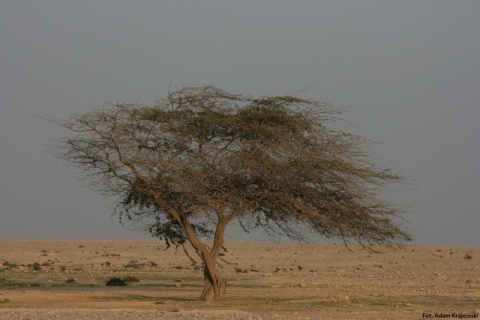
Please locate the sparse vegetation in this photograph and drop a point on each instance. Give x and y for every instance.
(134, 265)
(8, 283)
(322, 286)
(36, 266)
(9, 265)
(240, 270)
(128, 297)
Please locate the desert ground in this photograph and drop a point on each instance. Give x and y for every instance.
(67, 280)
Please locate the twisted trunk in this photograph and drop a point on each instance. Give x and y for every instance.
(214, 288)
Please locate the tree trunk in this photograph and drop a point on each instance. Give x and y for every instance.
(214, 288)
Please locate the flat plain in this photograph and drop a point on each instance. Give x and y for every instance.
(265, 281)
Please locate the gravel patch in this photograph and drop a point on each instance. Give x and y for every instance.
(97, 314)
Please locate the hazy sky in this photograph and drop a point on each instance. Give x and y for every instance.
(409, 69)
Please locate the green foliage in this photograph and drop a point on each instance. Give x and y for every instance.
(203, 157)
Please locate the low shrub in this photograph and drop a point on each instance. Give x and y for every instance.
(115, 282)
(36, 266)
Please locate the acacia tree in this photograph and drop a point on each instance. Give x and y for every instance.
(201, 158)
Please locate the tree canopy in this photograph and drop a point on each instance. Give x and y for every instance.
(202, 157)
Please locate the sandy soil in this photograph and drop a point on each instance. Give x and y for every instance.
(265, 281)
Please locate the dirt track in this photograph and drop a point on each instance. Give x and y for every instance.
(265, 281)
